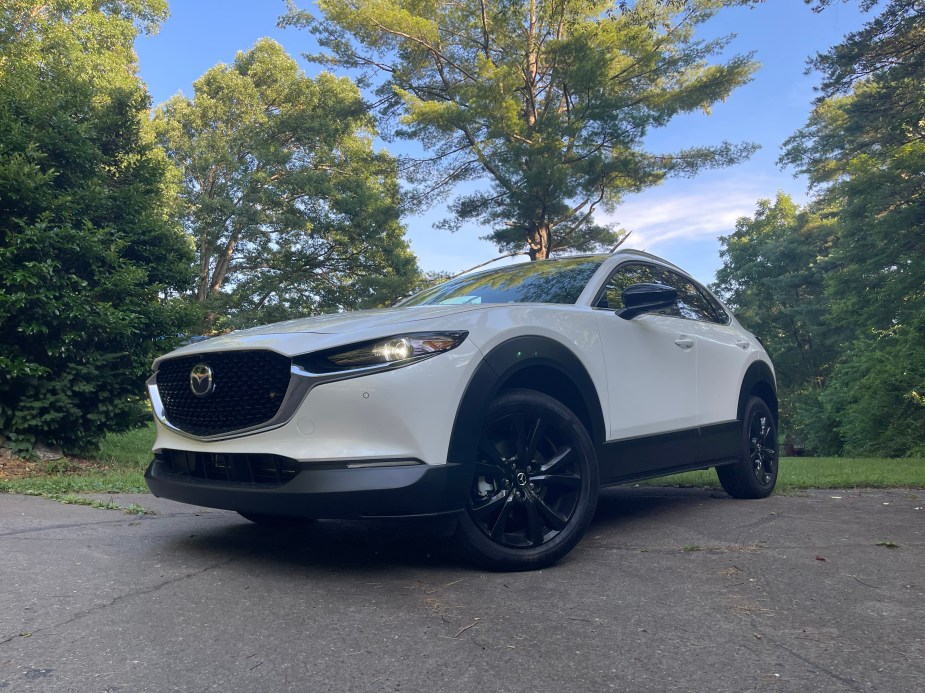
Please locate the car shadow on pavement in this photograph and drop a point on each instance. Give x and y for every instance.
(621, 503)
(344, 544)
(383, 544)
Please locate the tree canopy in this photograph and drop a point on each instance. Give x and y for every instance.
(90, 248)
(549, 100)
(773, 276)
(856, 250)
(291, 210)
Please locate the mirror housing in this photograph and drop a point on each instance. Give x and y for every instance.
(645, 298)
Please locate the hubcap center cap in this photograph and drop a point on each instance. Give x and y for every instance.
(521, 479)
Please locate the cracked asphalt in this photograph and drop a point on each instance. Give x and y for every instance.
(679, 589)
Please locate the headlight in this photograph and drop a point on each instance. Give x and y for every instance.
(399, 350)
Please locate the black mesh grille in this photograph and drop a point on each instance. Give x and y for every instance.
(248, 390)
(236, 468)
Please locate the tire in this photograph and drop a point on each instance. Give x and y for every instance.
(755, 474)
(534, 486)
(280, 521)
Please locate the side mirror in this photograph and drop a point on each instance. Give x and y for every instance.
(645, 298)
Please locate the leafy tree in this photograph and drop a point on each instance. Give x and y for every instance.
(550, 100)
(864, 153)
(874, 399)
(89, 245)
(773, 276)
(291, 209)
(863, 149)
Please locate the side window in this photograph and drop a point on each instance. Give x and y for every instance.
(691, 304)
(627, 275)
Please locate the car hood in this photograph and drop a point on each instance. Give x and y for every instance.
(355, 321)
(322, 331)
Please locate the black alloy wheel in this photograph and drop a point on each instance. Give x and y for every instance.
(755, 474)
(534, 486)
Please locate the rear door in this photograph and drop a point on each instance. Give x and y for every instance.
(722, 352)
(725, 354)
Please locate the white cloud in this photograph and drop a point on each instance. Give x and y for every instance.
(684, 211)
(679, 220)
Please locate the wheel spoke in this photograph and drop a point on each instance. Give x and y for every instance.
(534, 523)
(571, 482)
(557, 460)
(491, 453)
(766, 438)
(500, 525)
(550, 516)
(483, 511)
(520, 435)
(536, 437)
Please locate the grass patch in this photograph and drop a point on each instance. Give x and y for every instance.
(801, 473)
(118, 467)
(130, 450)
(70, 499)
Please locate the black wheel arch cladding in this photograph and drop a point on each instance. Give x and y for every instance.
(501, 367)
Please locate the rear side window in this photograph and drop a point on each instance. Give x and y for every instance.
(692, 304)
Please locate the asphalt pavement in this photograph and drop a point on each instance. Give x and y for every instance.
(672, 589)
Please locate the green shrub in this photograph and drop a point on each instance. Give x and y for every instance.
(90, 246)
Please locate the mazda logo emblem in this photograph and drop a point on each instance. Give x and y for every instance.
(201, 381)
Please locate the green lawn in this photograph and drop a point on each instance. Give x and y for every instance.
(120, 463)
(798, 473)
(118, 467)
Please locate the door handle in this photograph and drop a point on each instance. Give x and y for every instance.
(743, 343)
(684, 341)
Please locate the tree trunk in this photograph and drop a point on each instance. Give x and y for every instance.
(209, 285)
(538, 240)
(204, 257)
(221, 267)
(532, 67)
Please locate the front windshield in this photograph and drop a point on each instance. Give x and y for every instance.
(548, 281)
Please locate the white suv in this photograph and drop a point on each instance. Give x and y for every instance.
(505, 398)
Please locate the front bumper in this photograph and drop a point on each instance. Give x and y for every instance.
(404, 491)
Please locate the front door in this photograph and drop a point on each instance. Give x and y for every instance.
(651, 364)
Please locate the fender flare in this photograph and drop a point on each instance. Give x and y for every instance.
(759, 372)
(497, 368)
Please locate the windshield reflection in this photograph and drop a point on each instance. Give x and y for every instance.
(547, 281)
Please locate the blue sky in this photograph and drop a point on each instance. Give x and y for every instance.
(679, 220)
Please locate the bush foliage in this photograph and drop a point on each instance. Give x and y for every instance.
(90, 250)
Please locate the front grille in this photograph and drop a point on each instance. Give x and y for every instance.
(248, 390)
(236, 468)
